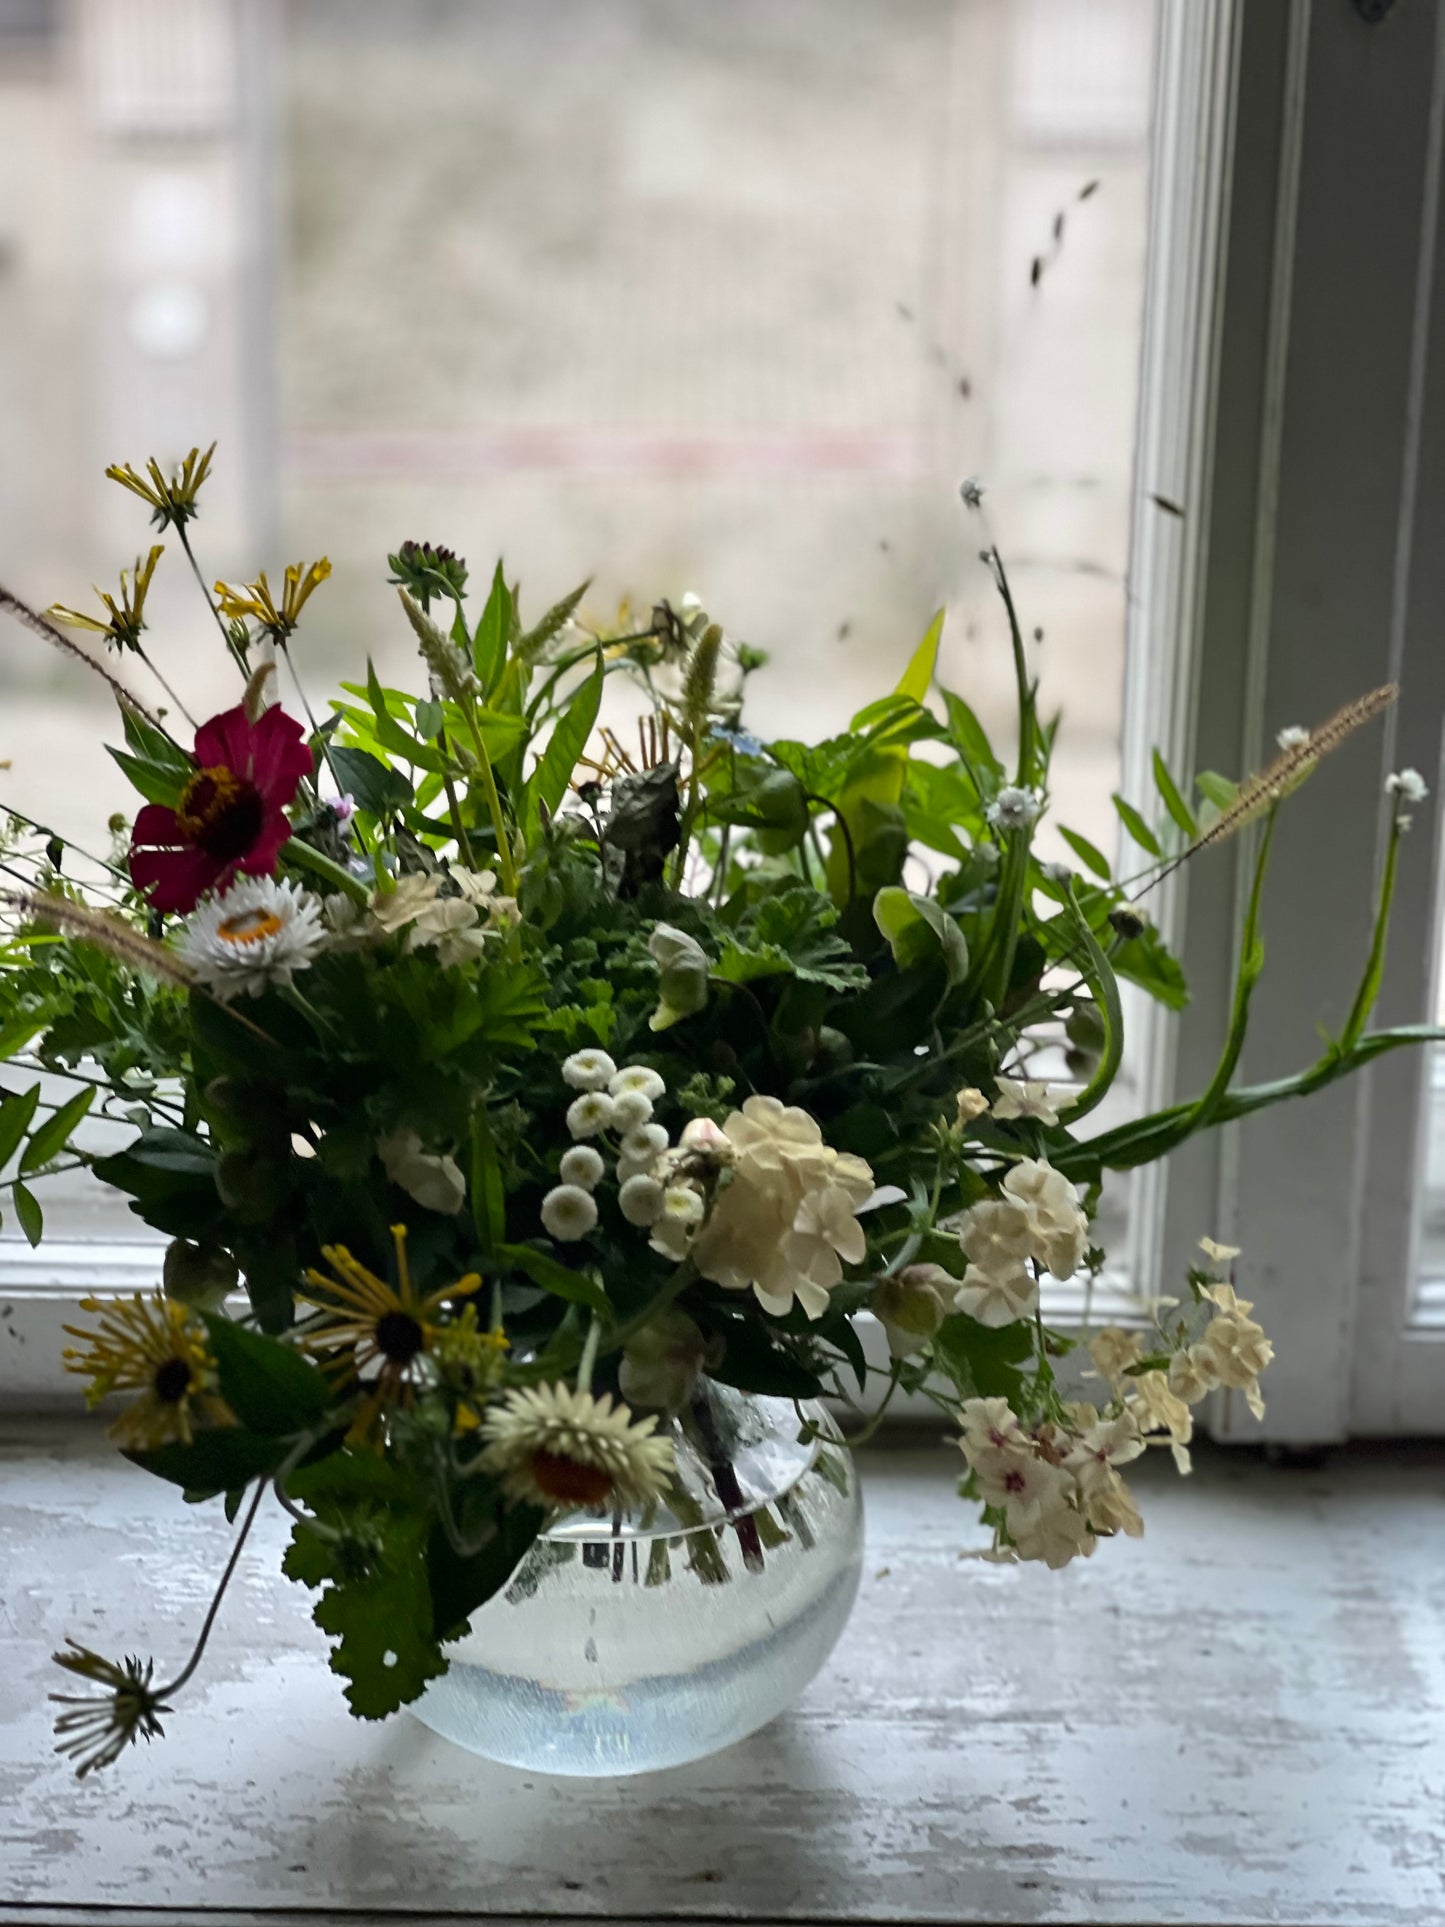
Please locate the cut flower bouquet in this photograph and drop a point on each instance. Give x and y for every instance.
(528, 1081)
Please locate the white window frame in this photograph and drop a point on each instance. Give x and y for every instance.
(1259, 409)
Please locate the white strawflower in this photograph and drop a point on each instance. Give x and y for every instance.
(588, 1070)
(1014, 808)
(630, 1111)
(552, 1446)
(259, 933)
(581, 1166)
(569, 1213)
(637, 1077)
(589, 1114)
(641, 1200)
(1407, 784)
(1294, 737)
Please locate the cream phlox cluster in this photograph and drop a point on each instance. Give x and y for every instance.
(1037, 1222)
(1231, 1351)
(786, 1221)
(1057, 1489)
(456, 925)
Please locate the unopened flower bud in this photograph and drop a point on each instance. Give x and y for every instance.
(682, 970)
(912, 1305)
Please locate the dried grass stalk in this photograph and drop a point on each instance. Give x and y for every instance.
(100, 927)
(32, 620)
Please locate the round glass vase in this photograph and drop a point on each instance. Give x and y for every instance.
(628, 1643)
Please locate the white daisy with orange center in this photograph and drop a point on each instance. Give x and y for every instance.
(260, 933)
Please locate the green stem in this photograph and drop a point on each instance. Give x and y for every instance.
(306, 858)
(1374, 970)
(620, 1334)
(232, 650)
(494, 806)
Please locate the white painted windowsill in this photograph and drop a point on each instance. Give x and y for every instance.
(1239, 1719)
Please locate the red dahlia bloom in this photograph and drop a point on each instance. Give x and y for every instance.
(231, 815)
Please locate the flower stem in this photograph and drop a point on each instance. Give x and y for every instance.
(494, 807)
(231, 649)
(165, 1692)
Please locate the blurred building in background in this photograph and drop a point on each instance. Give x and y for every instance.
(725, 298)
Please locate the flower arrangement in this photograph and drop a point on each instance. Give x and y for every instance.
(526, 1082)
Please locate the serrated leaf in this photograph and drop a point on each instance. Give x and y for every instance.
(54, 1134)
(382, 1623)
(1173, 802)
(16, 1111)
(1088, 853)
(267, 1383)
(27, 1211)
(1137, 827)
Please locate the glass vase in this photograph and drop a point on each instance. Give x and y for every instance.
(624, 1644)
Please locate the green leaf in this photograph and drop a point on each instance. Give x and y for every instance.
(494, 629)
(54, 1134)
(156, 782)
(1106, 993)
(27, 1210)
(577, 1287)
(390, 734)
(982, 1360)
(1173, 801)
(17, 1032)
(217, 1461)
(558, 760)
(268, 1384)
(1088, 854)
(459, 1585)
(153, 745)
(753, 1361)
(382, 1623)
(375, 786)
(970, 739)
(16, 1111)
(489, 1196)
(918, 675)
(1137, 827)
(1216, 789)
(916, 929)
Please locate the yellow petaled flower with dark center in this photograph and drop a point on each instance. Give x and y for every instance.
(158, 1348)
(170, 501)
(369, 1326)
(96, 1729)
(221, 813)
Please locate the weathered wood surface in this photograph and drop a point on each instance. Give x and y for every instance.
(1241, 1719)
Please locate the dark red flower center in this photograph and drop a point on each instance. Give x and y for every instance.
(172, 1381)
(220, 813)
(399, 1337)
(569, 1482)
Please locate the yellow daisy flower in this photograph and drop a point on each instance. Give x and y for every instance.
(375, 1324)
(126, 619)
(172, 501)
(158, 1348)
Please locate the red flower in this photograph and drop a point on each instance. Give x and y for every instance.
(231, 815)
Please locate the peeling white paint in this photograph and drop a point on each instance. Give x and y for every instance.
(1240, 1720)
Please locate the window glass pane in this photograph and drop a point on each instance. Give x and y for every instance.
(727, 299)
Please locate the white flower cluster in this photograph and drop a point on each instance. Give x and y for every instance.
(786, 1221)
(1231, 1352)
(457, 927)
(1014, 808)
(655, 1189)
(1057, 1488)
(1038, 1222)
(1015, 1100)
(1406, 786)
